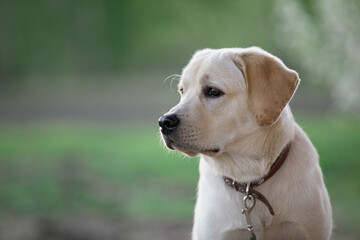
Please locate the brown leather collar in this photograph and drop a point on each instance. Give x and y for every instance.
(241, 187)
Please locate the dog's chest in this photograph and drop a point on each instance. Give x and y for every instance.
(223, 206)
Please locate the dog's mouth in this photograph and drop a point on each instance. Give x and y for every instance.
(215, 150)
(187, 149)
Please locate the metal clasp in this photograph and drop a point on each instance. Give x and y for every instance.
(249, 204)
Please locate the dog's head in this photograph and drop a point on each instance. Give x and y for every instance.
(225, 95)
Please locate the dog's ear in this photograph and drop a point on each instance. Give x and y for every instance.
(270, 84)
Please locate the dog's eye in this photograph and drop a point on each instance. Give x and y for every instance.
(213, 92)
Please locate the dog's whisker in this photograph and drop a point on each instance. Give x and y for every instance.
(183, 157)
(177, 77)
(172, 77)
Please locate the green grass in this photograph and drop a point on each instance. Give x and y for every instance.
(63, 168)
(66, 168)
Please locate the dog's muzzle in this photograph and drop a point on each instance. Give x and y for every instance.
(168, 124)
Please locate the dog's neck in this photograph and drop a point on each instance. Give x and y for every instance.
(250, 158)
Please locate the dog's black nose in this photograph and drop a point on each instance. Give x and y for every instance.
(168, 123)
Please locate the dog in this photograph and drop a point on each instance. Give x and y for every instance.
(234, 113)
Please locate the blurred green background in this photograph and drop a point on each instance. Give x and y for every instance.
(82, 86)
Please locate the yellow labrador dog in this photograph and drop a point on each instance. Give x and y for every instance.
(259, 173)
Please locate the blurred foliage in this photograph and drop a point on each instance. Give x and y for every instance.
(325, 42)
(52, 37)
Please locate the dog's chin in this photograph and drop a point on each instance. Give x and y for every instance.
(188, 150)
(192, 153)
(175, 146)
(168, 143)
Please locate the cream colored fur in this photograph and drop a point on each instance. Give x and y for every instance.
(249, 126)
